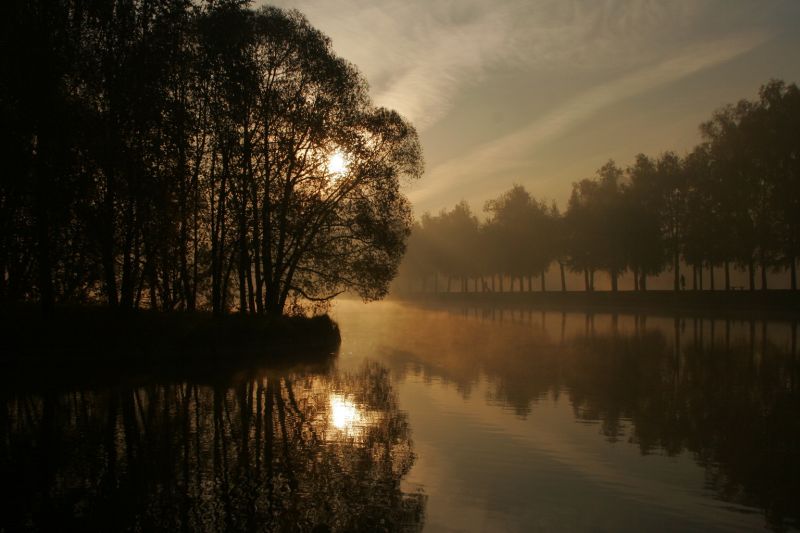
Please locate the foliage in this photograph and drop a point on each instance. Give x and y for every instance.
(175, 155)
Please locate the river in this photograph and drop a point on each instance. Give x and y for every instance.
(434, 418)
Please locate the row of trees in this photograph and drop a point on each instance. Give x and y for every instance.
(177, 154)
(732, 202)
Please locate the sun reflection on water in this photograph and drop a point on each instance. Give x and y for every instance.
(345, 415)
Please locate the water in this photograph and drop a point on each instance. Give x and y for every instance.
(448, 419)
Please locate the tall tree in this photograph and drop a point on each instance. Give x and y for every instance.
(644, 241)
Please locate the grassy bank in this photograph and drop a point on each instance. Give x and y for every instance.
(98, 343)
(779, 303)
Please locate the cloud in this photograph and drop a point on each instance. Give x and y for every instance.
(512, 152)
(419, 55)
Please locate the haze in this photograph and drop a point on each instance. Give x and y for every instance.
(542, 93)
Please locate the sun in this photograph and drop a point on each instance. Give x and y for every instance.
(337, 164)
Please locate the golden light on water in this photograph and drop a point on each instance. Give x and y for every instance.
(345, 416)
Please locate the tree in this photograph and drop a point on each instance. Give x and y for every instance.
(643, 238)
(704, 239)
(597, 222)
(323, 229)
(671, 187)
(519, 231)
(172, 153)
(780, 139)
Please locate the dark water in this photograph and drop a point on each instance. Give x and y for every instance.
(442, 419)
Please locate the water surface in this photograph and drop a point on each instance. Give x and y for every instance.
(442, 419)
(528, 420)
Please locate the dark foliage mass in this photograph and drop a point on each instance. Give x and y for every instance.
(176, 154)
(733, 202)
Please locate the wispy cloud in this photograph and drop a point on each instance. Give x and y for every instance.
(420, 54)
(417, 54)
(511, 152)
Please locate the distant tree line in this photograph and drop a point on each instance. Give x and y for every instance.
(732, 202)
(176, 154)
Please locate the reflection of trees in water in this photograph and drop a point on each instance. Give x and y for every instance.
(734, 406)
(259, 455)
(726, 392)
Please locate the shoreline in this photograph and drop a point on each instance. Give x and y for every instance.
(93, 344)
(734, 304)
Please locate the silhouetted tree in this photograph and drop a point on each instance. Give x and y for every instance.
(779, 139)
(173, 153)
(597, 217)
(644, 241)
(519, 229)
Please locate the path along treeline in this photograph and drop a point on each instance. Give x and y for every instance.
(176, 154)
(732, 202)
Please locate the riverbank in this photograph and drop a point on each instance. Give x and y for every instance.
(77, 342)
(745, 304)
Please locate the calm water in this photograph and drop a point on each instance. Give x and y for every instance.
(435, 419)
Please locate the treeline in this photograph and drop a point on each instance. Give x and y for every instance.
(732, 202)
(176, 154)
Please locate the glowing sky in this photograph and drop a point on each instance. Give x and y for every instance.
(543, 92)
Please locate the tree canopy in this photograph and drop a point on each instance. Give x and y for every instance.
(184, 155)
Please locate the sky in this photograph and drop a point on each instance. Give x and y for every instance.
(544, 92)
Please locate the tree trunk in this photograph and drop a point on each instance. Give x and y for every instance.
(153, 285)
(694, 278)
(636, 279)
(126, 285)
(591, 279)
(727, 276)
(711, 277)
(793, 273)
(109, 272)
(587, 287)
(240, 270)
(613, 273)
(643, 282)
(543, 282)
(676, 266)
(45, 265)
(563, 277)
(751, 274)
(251, 294)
